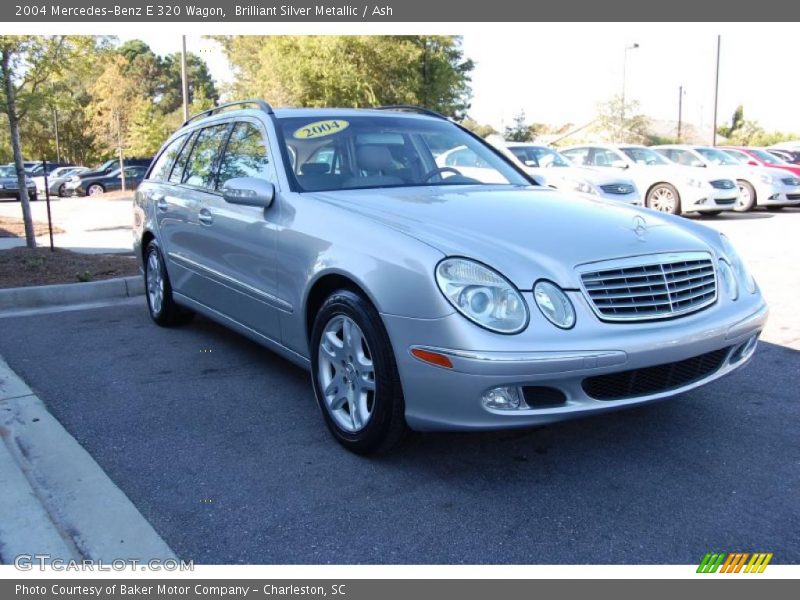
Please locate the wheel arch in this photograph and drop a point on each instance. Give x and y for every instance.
(323, 286)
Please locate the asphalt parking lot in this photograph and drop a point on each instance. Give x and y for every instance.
(221, 447)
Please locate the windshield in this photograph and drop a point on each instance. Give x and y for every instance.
(766, 157)
(538, 156)
(387, 151)
(717, 157)
(7, 172)
(644, 156)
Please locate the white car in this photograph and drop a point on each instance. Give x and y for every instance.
(758, 186)
(552, 169)
(464, 161)
(56, 180)
(666, 187)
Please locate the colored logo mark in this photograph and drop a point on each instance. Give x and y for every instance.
(735, 562)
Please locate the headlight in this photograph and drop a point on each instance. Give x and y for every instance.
(554, 304)
(2, 187)
(738, 264)
(694, 182)
(482, 295)
(728, 279)
(766, 178)
(583, 186)
(74, 179)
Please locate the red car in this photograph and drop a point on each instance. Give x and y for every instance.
(758, 157)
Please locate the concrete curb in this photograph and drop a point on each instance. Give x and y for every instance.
(70, 293)
(56, 499)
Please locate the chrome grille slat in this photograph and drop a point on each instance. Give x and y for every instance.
(650, 287)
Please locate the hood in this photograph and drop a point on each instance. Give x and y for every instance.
(525, 233)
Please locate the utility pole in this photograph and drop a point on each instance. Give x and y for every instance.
(55, 130)
(680, 111)
(184, 80)
(624, 81)
(716, 94)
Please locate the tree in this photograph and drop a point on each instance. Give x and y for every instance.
(352, 71)
(198, 77)
(520, 131)
(113, 94)
(26, 63)
(147, 128)
(737, 121)
(478, 129)
(627, 125)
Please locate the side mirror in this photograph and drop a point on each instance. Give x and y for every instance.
(248, 191)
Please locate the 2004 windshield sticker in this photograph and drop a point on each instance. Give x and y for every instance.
(320, 129)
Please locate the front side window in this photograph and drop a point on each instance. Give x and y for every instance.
(644, 156)
(766, 157)
(160, 170)
(344, 152)
(717, 157)
(538, 156)
(579, 156)
(246, 154)
(200, 169)
(606, 158)
(685, 158)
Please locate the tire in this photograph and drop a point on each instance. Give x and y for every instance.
(747, 196)
(95, 189)
(158, 291)
(61, 190)
(663, 197)
(364, 407)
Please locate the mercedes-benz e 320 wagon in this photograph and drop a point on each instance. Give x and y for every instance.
(421, 296)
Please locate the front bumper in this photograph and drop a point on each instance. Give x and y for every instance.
(778, 194)
(708, 198)
(7, 193)
(73, 191)
(450, 399)
(629, 199)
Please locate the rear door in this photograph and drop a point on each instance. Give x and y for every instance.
(192, 189)
(239, 242)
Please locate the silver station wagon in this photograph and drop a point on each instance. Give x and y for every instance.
(423, 297)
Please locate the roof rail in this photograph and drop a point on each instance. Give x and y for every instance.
(413, 108)
(216, 109)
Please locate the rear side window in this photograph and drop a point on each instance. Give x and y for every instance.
(160, 170)
(246, 154)
(180, 163)
(200, 170)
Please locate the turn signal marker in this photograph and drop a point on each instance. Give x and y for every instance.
(433, 358)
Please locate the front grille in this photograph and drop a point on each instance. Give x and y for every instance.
(652, 289)
(793, 196)
(791, 181)
(725, 201)
(617, 188)
(656, 379)
(723, 184)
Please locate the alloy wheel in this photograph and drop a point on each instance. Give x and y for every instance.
(155, 283)
(346, 374)
(663, 200)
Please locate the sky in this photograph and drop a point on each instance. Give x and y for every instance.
(559, 73)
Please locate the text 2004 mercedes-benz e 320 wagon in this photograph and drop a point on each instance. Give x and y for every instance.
(425, 296)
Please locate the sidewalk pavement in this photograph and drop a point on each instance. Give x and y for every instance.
(55, 499)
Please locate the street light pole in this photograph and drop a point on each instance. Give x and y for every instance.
(716, 94)
(624, 82)
(184, 81)
(680, 111)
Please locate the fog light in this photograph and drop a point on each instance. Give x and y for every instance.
(701, 201)
(502, 398)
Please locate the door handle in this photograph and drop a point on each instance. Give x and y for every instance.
(205, 217)
(161, 202)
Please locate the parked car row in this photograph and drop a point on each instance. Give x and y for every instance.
(74, 180)
(674, 178)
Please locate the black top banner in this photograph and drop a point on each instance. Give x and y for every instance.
(440, 11)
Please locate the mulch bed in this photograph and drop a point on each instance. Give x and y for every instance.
(10, 227)
(24, 266)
